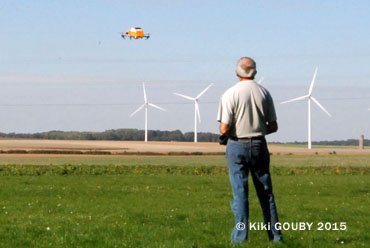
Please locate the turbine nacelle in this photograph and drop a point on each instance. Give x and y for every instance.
(146, 104)
(309, 96)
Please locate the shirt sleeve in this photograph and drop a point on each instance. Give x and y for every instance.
(271, 114)
(225, 110)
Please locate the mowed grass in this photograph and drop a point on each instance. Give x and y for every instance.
(360, 160)
(169, 209)
(173, 211)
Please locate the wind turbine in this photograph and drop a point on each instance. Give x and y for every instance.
(260, 81)
(310, 98)
(196, 109)
(146, 106)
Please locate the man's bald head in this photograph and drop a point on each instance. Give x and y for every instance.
(246, 68)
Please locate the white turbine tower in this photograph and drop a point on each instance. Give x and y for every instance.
(146, 105)
(309, 97)
(196, 109)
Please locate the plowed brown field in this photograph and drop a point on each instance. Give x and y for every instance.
(152, 147)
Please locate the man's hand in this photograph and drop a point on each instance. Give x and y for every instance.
(224, 128)
(272, 127)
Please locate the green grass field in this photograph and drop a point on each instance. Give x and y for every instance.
(165, 201)
(360, 160)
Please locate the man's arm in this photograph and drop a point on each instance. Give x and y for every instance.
(224, 128)
(272, 127)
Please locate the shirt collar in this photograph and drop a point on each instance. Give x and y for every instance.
(245, 81)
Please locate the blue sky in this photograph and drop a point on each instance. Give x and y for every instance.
(71, 52)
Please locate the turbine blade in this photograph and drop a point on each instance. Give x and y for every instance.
(294, 99)
(197, 110)
(260, 81)
(312, 82)
(155, 106)
(187, 97)
(318, 104)
(145, 98)
(140, 108)
(201, 93)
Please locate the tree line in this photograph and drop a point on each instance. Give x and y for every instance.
(115, 134)
(154, 135)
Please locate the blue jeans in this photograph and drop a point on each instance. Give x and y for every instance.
(252, 156)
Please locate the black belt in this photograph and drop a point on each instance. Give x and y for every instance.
(247, 138)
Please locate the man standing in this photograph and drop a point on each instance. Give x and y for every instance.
(246, 114)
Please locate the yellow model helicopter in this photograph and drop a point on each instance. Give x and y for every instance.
(135, 33)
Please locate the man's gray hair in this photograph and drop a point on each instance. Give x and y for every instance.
(246, 68)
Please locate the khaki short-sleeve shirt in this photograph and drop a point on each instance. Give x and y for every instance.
(247, 108)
